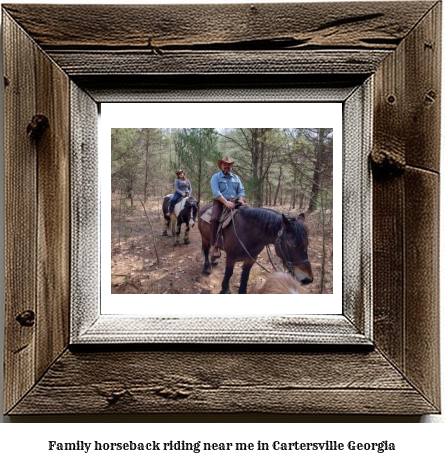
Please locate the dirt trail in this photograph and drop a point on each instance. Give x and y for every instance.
(134, 267)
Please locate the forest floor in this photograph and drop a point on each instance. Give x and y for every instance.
(137, 243)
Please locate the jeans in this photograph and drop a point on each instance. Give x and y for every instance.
(173, 201)
(214, 221)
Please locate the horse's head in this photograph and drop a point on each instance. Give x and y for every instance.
(291, 247)
(192, 206)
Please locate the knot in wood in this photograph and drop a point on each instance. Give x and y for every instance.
(37, 126)
(387, 162)
(172, 393)
(114, 397)
(26, 318)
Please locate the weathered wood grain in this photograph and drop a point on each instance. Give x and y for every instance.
(397, 41)
(85, 210)
(388, 202)
(357, 208)
(275, 26)
(53, 194)
(223, 382)
(89, 327)
(423, 91)
(219, 87)
(406, 133)
(37, 192)
(78, 63)
(388, 268)
(20, 213)
(422, 323)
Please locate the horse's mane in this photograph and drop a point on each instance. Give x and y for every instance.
(271, 221)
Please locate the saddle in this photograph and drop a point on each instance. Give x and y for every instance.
(178, 206)
(224, 219)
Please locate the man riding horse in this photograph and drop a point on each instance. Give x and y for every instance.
(225, 186)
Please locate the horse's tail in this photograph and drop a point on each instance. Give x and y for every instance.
(281, 283)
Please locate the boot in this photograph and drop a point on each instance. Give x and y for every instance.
(215, 252)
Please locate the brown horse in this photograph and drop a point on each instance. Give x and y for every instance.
(247, 235)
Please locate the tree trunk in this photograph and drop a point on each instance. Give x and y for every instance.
(278, 186)
(255, 159)
(260, 168)
(147, 164)
(294, 192)
(317, 170)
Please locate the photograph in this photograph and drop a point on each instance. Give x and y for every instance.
(192, 206)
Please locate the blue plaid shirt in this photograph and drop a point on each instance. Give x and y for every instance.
(226, 186)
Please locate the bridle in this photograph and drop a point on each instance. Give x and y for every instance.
(193, 207)
(287, 262)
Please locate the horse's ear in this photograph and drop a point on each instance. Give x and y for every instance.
(301, 216)
(286, 222)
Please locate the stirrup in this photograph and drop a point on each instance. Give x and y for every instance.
(215, 252)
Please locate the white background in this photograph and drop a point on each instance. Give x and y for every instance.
(22, 442)
(218, 115)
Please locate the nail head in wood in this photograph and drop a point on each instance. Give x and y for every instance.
(430, 97)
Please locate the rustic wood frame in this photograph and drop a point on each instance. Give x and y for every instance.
(89, 321)
(81, 55)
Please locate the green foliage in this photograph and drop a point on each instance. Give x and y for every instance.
(125, 160)
(292, 165)
(197, 154)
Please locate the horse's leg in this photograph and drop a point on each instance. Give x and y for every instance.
(207, 268)
(245, 277)
(178, 233)
(166, 226)
(186, 235)
(230, 263)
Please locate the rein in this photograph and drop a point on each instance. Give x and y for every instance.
(289, 263)
(244, 247)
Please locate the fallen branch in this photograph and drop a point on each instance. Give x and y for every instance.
(152, 232)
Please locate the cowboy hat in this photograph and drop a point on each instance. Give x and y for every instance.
(179, 172)
(225, 159)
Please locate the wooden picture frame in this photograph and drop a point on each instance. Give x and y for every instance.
(59, 68)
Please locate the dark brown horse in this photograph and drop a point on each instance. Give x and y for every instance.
(253, 229)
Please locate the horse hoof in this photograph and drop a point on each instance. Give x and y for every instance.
(207, 271)
(186, 241)
(165, 233)
(175, 244)
(225, 292)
